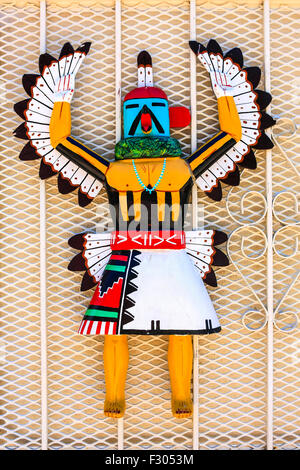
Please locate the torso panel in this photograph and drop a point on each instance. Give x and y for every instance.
(138, 209)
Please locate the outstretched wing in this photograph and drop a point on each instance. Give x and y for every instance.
(93, 257)
(250, 104)
(36, 112)
(201, 247)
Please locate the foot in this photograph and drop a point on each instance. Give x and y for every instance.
(182, 408)
(114, 408)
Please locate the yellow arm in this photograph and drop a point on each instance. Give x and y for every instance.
(230, 133)
(61, 139)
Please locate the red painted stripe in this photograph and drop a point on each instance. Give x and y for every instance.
(106, 328)
(89, 327)
(81, 328)
(98, 327)
(115, 328)
(163, 239)
(119, 257)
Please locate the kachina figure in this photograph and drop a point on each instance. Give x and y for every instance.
(148, 271)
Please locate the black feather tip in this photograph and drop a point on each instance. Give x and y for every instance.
(77, 263)
(215, 193)
(45, 60)
(233, 178)
(249, 161)
(64, 185)
(77, 241)
(84, 47)
(253, 75)
(210, 279)
(28, 153)
(83, 199)
(21, 107)
(196, 47)
(214, 47)
(236, 56)
(67, 49)
(263, 99)
(46, 171)
(219, 237)
(87, 282)
(21, 132)
(264, 142)
(28, 81)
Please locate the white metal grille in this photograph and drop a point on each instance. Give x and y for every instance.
(232, 381)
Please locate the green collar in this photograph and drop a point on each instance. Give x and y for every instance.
(147, 147)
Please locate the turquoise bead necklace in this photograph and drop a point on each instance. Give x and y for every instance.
(149, 190)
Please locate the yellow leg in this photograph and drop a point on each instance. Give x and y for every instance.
(116, 358)
(180, 358)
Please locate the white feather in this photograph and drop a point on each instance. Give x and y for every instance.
(249, 140)
(52, 157)
(245, 98)
(78, 176)
(203, 184)
(217, 170)
(226, 163)
(36, 117)
(41, 97)
(47, 76)
(209, 178)
(38, 135)
(250, 116)
(199, 256)
(60, 162)
(234, 155)
(246, 107)
(37, 143)
(69, 170)
(96, 267)
(250, 124)
(37, 107)
(35, 127)
(54, 69)
(242, 88)
(102, 247)
(241, 147)
(95, 189)
(191, 234)
(87, 183)
(44, 150)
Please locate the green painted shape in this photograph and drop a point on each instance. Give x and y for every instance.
(111, 267)
(147, 147)
(100, 313)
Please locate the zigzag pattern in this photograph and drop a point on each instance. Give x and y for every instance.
(131, 287)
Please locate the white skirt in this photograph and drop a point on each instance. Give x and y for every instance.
(170, 296)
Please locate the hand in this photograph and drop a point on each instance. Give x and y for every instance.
(220, 83)
(64, 88)
(221, 74)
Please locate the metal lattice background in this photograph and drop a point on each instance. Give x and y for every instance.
(233, 386)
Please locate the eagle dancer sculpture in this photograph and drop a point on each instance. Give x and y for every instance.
(148, 271)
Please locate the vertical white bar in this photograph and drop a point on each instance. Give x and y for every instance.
(43, 280)
(118, 137)
(269, 195)
(193, 98)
